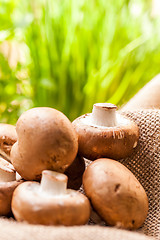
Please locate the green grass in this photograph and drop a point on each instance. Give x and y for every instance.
(77, 53)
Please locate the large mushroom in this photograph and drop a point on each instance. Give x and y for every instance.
(8, 137)
(46, 140)
(8, 183)
(50, 203)
(115, 193)
(105, 133)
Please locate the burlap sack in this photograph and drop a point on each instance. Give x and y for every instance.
(147, 97)
(144, 163)
(17, 231)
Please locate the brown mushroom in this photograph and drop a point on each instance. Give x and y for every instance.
(105, 133)
(8, 183)
(115, 194)
(75, 173)
(50, 203)
(8, 137)
(46, 140)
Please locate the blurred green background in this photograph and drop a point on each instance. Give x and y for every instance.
(69, 54)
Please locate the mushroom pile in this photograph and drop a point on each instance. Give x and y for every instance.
(48, 154)
(45, 150)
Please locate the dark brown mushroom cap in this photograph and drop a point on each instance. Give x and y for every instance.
(112, 142)
(46, 140)
(115, 193)
(31, 205)
(75, 173)
(8, 137)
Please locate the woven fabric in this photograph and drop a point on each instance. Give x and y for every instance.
(147, 97)
(10, 230)
(144, 163)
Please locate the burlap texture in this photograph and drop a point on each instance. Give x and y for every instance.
(10, 230)
(144, 163)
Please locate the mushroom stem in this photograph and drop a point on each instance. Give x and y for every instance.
(7, 172)
(53, 183)
(104, 114)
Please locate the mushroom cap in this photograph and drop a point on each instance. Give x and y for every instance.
(75, 172)
(46, 140)
(7, 187)
(8, 137)
(99, 141)
(31, 205)
(115, 194)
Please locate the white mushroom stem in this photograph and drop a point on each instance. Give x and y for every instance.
(53, 183)
(7, 171)
(104, 114)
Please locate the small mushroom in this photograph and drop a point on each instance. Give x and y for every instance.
(115, 193)
(46, 140)
(105, 133)
(8, 183)
(8, 137)
(50, 203)
(75, 173)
